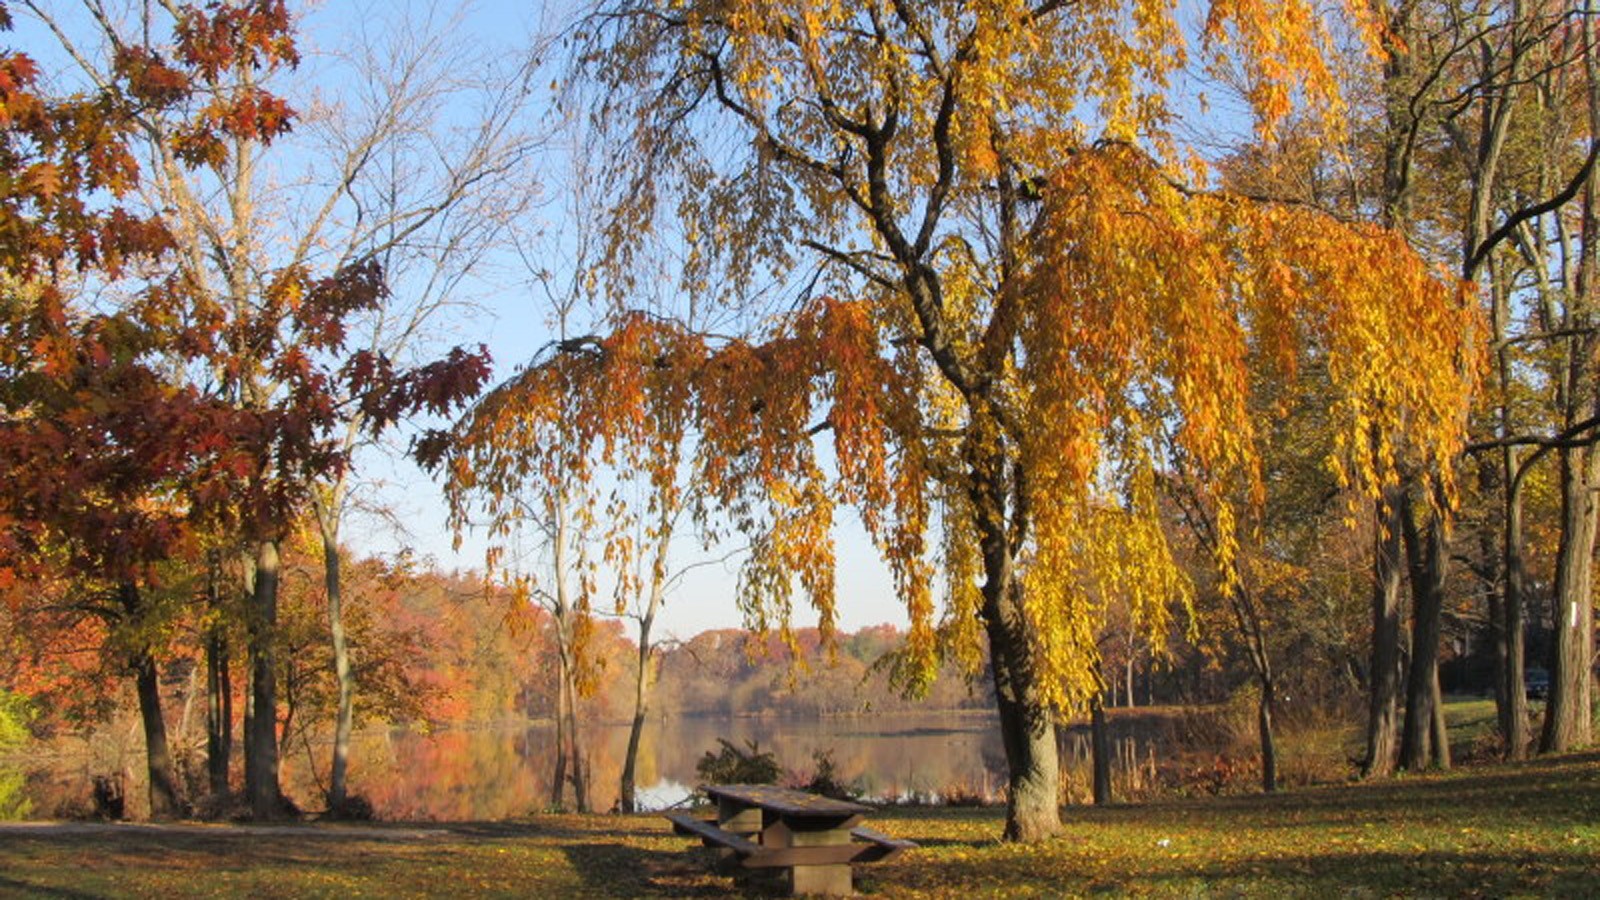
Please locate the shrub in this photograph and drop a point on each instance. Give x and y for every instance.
(730, 765)
(825, 779)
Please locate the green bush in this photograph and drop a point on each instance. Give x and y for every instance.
(730, 765)
(14, 715)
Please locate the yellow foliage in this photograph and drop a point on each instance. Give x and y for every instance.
(1043, 327)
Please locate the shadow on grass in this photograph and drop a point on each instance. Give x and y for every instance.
(615, 869)
(11, 887)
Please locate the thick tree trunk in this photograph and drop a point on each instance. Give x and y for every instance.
(1383, 698)
(1027, 724)
(165, 800)
(1567, 712)
(344, 717)
(1425, 558)
(261, 732)
(1100, 740)
(1027, 728)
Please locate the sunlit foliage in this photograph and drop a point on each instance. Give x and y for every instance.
(1026, 286)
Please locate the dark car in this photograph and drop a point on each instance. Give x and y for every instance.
(1536, 684)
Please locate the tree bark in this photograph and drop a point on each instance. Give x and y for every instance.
(1440, 755)
(219, 687)
(641, 708)
(642, 683)
(1511, 653)
(1100, 741)
(1567, 715)
(1264, 725)
(344, 717)
(558, 778)
(1383, 696)
(1027, 725)
(1027, 728)
(1424, 542)
(575, 766)
(261, 734)
(165, 800)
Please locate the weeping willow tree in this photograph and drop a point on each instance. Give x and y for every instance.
(1012, 326)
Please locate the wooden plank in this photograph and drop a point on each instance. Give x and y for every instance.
(740, 818)
(863, 833)
(790, 857)
(711, 835)
(786, 802)
(879, 846)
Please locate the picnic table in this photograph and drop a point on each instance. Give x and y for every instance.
(814, 838)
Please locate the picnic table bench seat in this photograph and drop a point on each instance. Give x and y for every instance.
(888, 847)
(711, 835)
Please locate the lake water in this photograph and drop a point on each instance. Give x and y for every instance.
(495, 773)
(489, 773)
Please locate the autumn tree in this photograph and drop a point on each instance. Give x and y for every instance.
(104, 457)
(1477, 159)
(284, 266)
(1007, 308)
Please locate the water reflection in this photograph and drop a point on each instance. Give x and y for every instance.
(495, 773)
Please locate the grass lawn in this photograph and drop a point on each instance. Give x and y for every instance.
(1522, 830)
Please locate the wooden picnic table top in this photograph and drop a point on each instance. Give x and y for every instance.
(786, 802)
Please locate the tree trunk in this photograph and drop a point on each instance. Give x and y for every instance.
(344, 718)
(1129, 673)
(1512, 653)
(1100, 740)
(575, 765)
(1567, 711)
(261, 734)
(1383, 706)
(641, 708)
(219, 687)
(558, 778)
(644, 677)
(1264, 725)
(165, 800)
(1027, 728)
(1441, 731)
(1425, 560)
(1027, 725)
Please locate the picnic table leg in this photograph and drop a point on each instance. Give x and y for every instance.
(830, 881)
(745, 821)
